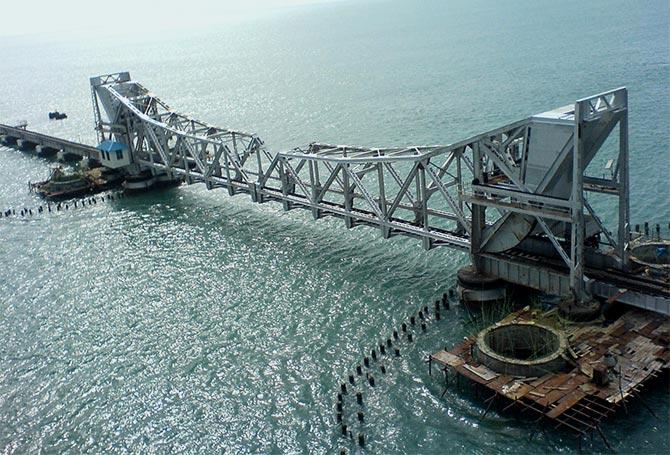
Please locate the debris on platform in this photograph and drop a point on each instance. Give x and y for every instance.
(605, 366)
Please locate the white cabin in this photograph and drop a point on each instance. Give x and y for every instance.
(114, 154)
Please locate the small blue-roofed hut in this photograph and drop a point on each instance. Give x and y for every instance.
(114, 154)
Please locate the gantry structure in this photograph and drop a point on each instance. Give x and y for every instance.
(515, 197)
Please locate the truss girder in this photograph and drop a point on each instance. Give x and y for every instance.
(428, 192)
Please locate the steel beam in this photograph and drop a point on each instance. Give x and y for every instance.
(389, 188)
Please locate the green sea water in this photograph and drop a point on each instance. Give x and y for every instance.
(188, 321)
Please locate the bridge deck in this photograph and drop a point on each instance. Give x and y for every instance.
(53, 142)
(536, 272)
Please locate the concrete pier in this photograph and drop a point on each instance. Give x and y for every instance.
(43, 150)
(23, 144)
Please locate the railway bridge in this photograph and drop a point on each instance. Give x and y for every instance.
(516, 198)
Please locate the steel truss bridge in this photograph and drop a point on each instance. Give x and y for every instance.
(515, 198)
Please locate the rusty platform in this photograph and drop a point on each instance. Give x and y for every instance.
(638, 340)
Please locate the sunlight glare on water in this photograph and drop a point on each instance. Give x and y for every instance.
(189, 321)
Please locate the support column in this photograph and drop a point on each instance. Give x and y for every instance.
(348, 197)
(187, 170)
(130, 142)
(478, 211)
(577, 208)
(316, 187)
(96, 115)
(386, 231)
(624, 203)
(460, 229)
(422, 194)
(285, 184)
(226, 162)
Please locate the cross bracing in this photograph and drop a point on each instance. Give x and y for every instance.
(485, 194)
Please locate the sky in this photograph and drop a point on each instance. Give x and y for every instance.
(22, 17)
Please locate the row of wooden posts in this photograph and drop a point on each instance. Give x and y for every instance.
(389, 348)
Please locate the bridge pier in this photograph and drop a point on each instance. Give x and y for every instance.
(479, 291)
(63, 155)
(23, 144)
(165, 179)
(43, 150)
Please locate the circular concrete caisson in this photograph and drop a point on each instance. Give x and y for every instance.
(522, 348)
